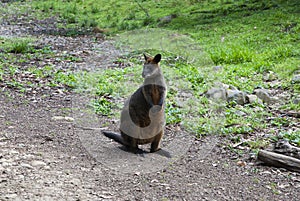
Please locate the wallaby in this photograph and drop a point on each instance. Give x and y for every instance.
(143, 116)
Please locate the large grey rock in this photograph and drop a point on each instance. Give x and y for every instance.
(216, 93)
(263, 95)
(251, 98)
(296, 78)
(237, 96)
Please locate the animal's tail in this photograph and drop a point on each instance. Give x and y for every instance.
(115, 136)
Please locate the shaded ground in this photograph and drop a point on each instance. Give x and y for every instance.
(42, 158)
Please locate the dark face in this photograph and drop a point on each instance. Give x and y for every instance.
(150, 70)
(151, 66)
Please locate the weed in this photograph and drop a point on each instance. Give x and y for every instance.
(173, 113)
(273, 187)
(258, 143)
(1, 72)
(102, 106)
(291, 136)
(66, 78)
(21, 46)
(280, 122)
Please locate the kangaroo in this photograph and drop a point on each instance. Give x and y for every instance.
(143, 116)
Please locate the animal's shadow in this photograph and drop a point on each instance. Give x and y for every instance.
(143, 153)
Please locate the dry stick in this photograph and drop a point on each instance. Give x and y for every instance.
(91, 128)
(279, 160)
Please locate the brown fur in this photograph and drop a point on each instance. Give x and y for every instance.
(139, 108)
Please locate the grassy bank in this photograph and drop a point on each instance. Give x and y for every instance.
(248, 38)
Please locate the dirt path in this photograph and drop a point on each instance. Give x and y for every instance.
(43, 157)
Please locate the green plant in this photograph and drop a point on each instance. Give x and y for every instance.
(66, 78)
(258, 143)
(20, 46)
(292, 136)
(102, 106)
(173, 113)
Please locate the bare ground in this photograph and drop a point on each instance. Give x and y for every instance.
(47, 158)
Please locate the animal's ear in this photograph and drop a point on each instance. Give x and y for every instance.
(157, 58)
(146, 57)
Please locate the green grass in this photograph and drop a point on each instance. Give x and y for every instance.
(249, 39)
(257, 36)
(292, 136)
(16, 45)
(18, 71)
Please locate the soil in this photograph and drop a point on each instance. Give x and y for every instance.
(51, 147)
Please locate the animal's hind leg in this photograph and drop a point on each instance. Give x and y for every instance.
(155, 145)
(133, 146)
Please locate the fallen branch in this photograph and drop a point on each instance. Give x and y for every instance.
(279, 160)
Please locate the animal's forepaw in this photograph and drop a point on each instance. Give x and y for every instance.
(155, 109)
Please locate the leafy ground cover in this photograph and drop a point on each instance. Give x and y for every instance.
(18, 69)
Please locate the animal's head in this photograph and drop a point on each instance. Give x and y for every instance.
(151, 66)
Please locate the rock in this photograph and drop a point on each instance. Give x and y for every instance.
(232, 87)
(258, 109)
(11, 196)
(38, 163)
(166, 19)
(186, 95)
(225, 86)
(251, 98)
(263, 95)
(25, 165)
(240, 113)
(296, 101)
(216, 93)
(237, 96)
(61, 118)
(275, 100)
(275, 84)
(75, 182)
(47, 167)
(14, 152)
(5, 164)
(271, 76)
(218, 68)
(180, 103)
(296, 78)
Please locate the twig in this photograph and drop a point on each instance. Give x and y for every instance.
(91, 128)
